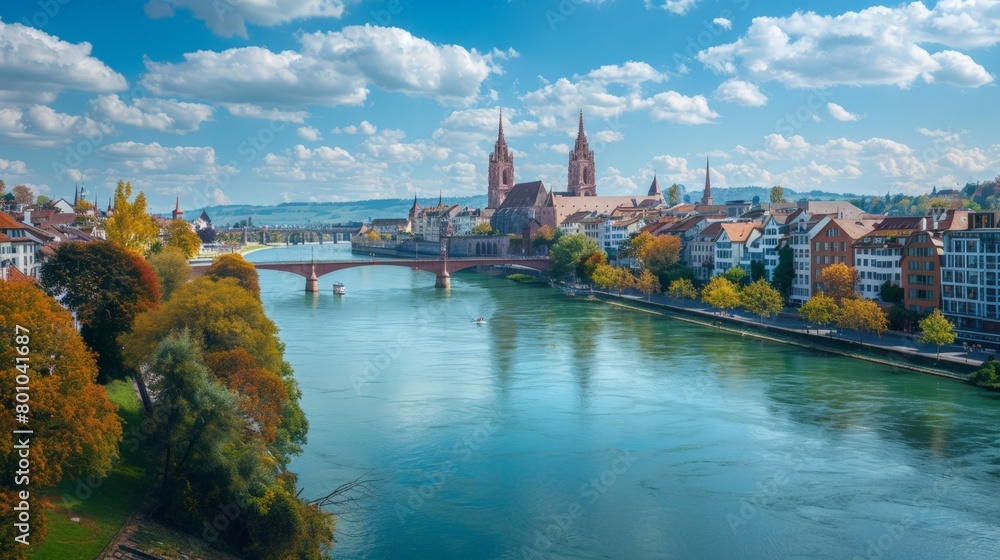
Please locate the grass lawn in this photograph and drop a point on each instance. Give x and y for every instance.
(104, 511)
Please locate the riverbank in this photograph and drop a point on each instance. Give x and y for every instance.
(893, 351)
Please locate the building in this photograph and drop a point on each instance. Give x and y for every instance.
(468, 218)
(832, 241)
(581, 179)
(775, 225)
(430, 222)
(501, 171)
(731, 244)
(20, 245)
(702, 251)
(524, 202)
(923, 257)
(706, 197)
(614, 232)
(969, 296)
(800, 235)
(878, 255)
(177, 213)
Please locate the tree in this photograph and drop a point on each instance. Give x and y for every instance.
(172, 270)
(107, 287)
(891, 293)
(23, 194)
(777, 194)
(784, 273)
(674, 195)
(840, 281)
(233, 265)
(757, 270)
(131, 226)
(820, 309)
(648, 283)
(721, 294)
(83, 206)
(373, 235)
(633, 247)
(76, 429)
(623, 279)
(936, 329)
(262, 394)
(483, 228)
(180, 236)
(547, 235)
(589, 263)
(682, 289)
(567, 253)
(660, 253)
(862, 315)
(42, 200)
(736, 275)
(760, 299)
(604, 276)
(3, 187)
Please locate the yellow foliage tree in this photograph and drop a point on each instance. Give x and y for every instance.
(648, 283)
(131, 226)
(820, 309)
(682, 289)
(840, 281)
(721, 294)
(180, 236)
(862, 315)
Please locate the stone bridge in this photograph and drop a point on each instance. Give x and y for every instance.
(441, 268)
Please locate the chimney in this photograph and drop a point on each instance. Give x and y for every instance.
(27, 217)
(923, 224)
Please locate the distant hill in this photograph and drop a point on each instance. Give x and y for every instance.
(296, 213)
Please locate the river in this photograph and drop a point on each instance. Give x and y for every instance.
(564, 428)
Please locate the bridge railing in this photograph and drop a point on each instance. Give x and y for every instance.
(364, 261)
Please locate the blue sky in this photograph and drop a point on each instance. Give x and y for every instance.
(266, 101)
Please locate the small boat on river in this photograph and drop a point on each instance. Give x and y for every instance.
(339, 289)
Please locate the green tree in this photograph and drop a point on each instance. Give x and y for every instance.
(172, 270)
(674, 195)
(682, 289)
(567, 253)
(233, 265)
(721, 294)
(777, 194)
(483, 228)
(76, 429)
(936, 329)
(862, 315)
(131, 226)
(891, 293)
(107, 287)
(760, 299)
(648, 283)
(180, 236)
(42, 200)
(757, 271)
(820, 310)
(736, 275)
(784, 273)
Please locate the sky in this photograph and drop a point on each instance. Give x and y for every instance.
(270, 101)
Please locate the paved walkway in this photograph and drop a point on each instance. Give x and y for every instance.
(788, 320)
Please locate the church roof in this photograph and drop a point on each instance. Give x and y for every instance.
(204, 217)
(654, 188)
(524, 195)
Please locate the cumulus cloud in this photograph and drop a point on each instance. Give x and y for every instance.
(723, 23)
(364, 127)
(250, 111)
(629, 73)
(309, 134)
(37, 66)
(679, 7)
(330, 69)
(841, 114)
(876, 46)
(165, 115)
(230, 18)
(676, 108)
(16, 167)
(609, 136)
(185, 170)
(738, 91)
(41, 126)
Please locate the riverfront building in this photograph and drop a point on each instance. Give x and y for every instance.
(970, 297)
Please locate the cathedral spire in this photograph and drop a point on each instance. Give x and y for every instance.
(501, 170)
(654, 187)
(707, 197)
(580, 175)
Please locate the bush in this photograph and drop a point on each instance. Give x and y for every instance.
(986, 376)
(521, 278)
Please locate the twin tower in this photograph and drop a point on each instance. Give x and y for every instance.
(581, 179)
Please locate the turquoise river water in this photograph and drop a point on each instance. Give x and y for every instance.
(564, 428)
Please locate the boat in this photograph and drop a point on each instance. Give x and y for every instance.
(480, 321)
(339, 289)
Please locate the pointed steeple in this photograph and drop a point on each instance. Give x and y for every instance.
(500, 175)
(654, 188)
(415, 209)
(581, 173)
(706, 198)
(581, 136)
(177, 214)
(76, 193)
(440, 199)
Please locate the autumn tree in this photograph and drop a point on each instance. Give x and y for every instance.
(23, 194)
(131, 226)
(172, 270)
(840, 281)
(623, 279)
(760, 299)
(820, 310)
(3, 187)
(76, 429)
(936, 329)
(372, 235)
(261, 394)
(862, 315)
(674, 195)
(589, 263)
(661, 253)
(547, 235)
(721, 294)
(632, 249)
(83, 206)
(736, 275)
(682, 289)
(107, 287)
(180, 236)
(777, 194)
(604, 276)
(648, 283)
(233, 265)
(567, 254)
(483, 228)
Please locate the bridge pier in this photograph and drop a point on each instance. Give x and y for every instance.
(443, 281)
(312, 283)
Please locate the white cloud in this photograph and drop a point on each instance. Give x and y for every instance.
(676, 108)
(36, 66)
(743, 93)
(250, 111)
(679, 7)
(364, 127)
(387, 146)
(228, 18)
(609, 136)
(165, 115)
(630, 73)
(674, 169)
(185, 170)
(723, 23)
(41, 126)
(309, 134)
(15, 167)
(330, 69)
(946, 136)
(876, 46)
(841, 114)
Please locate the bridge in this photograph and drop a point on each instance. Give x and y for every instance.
(441, 268)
